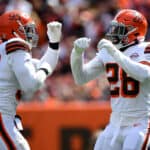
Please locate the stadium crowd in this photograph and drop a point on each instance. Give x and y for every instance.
(88, 18)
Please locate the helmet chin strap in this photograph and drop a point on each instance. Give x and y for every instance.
(124, 47)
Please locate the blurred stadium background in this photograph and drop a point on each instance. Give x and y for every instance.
(62, 115)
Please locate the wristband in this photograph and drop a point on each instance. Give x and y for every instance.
(54, 46)
(45, 70)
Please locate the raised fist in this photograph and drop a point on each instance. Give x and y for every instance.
(81, 44)
(54, 31)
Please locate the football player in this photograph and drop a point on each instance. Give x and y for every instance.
(19, 72)
(125, 57)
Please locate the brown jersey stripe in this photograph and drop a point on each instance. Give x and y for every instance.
(15, 48)
(16, 45)
(6, 137)
(145, 63)
(145, 143)
(147, 49)
(147, 52)
(17, 42)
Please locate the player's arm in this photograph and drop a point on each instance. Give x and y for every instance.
(29, 77)
(51, 55)
(138, 71)
(82, 72)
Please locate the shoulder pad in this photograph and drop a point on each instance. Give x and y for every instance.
(16, 44)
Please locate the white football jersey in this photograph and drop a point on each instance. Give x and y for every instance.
(129, 79)
(9, 86)
(130, 97)
(20, 73)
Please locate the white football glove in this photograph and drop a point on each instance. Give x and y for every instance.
(107, 45)
(54, 31)
(81, 44)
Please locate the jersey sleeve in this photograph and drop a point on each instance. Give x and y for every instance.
(30, 73)
(84, 72)
(30, 79)
(137, 70)
(51, 58)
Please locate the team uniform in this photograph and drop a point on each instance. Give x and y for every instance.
(130, 97)
(21, 74)
(128, 73)
(18, 73)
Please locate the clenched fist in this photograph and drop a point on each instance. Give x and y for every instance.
(81, 44)
(107, 45)
(54, 31)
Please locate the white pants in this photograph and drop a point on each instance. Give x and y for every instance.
(122, 138)
(10, 137)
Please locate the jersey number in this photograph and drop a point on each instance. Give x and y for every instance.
(129, 87)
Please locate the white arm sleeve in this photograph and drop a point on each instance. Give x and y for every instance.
(28, 77)
(50, 57)
(83, 73)
(136, 70)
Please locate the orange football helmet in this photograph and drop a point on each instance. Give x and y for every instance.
(128, 26)
(17, 24)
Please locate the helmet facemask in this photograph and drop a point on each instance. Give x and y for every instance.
(31, 34)
(28, 32)
(118, 33)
